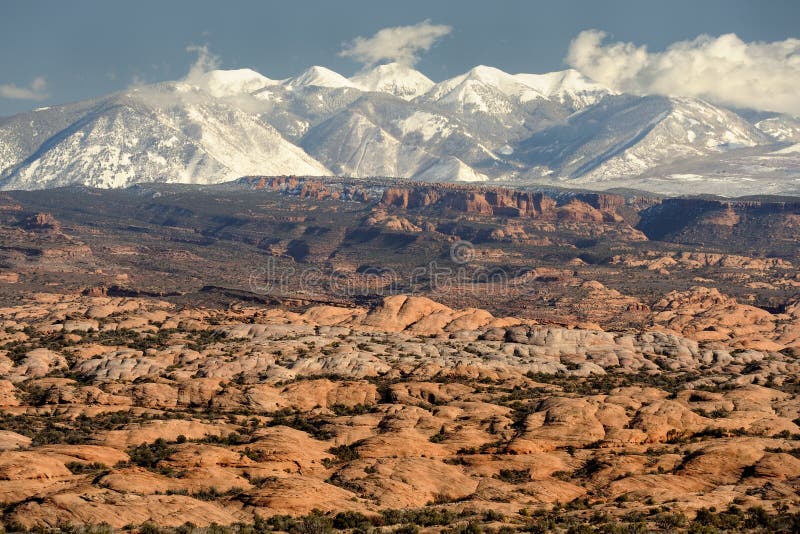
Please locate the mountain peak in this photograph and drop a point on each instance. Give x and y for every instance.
(319, 77)
(484, 88)
(484, 72)
(395, 78)
(566, 86)
(484, 124)
(552, 83)
(220, 83)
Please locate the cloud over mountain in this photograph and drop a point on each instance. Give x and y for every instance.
(36, 91)
(206, 61)
(723, 69)
(401, 44)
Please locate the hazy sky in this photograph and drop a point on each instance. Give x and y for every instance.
(58, 51)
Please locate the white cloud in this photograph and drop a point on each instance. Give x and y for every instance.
(403, 44)
(37, 90)
(137, 80)
(723, 69)
(206, 61)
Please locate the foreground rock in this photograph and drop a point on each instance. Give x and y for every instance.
(134, 410)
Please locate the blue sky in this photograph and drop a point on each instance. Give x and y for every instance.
(60, 51)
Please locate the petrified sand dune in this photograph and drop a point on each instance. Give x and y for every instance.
(218, 415)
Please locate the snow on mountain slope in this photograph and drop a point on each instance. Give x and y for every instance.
(495, 106)
(425, 125)
(22, 134)
(164, 133)
(758, 170)
(402, 138)
(393, 78)
(450, 169)
(441, 136)
(353, 145)
(482, 125)
(221, 83)
(294, 110)
(792, 149)
(781, 128)
(240, 141)
(569, 87)
(103, 150)
(626, 135)
(319, 77)
(483, 89)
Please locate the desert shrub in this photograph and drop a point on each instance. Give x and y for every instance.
(423, 517)
(315, 524)
(514, 476)
(358, 409)
(468, 528)
(200, 339)
(83, 468)
(566, 476)
(231, 439)
(351, 519)
(493, 515)
(51, 429)
(282, 523)
(669, 521)
(345, 453)
(729, 520)
(149, 528)
(589, 468)
(312, 426)
(577, 504)
(149, 455)
(439, 437)
(257, 455)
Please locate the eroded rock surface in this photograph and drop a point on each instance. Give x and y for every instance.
(135, 410)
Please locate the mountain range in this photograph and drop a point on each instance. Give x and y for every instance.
(557, 129)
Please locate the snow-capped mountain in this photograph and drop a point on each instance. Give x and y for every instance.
(393, 78)
(221, 83)
(355, 146)
(172, 132)
(626, 135)
(319, 77)
(484, 125)
(781, 128)
(569, 87)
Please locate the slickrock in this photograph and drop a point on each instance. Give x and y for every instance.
(87, 505)
(11, 440)
(300, 495)
(166, 429)
(400, 312)
(28, 464)
(8, 393)
(707, 315)
(406, 403)
(410, 482)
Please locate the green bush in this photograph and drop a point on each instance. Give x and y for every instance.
(514, 476)
(84, 468)
(149, 455)
(345, 453)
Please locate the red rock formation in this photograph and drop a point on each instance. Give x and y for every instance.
(42, 221)
(355, 194)
(602, 201)
(504, 203)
